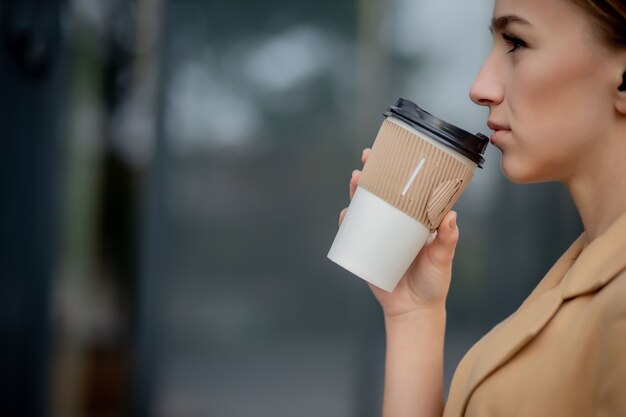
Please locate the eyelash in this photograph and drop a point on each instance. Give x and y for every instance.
(514, 42)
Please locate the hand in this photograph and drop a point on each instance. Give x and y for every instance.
(424, 287)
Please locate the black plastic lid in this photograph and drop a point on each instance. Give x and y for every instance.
(471, 146)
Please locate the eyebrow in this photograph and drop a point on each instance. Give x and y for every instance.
(498, 24)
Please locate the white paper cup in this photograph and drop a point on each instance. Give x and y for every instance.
(376, 241)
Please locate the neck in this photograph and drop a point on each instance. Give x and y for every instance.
(599, 192)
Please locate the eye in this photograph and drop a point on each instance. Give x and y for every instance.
(514, 42)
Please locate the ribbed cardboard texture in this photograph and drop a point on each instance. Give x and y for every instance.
(413, 175)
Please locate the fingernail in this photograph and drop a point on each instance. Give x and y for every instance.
(355, 172)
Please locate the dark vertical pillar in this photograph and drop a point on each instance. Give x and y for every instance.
(154, 238)
(30, 94)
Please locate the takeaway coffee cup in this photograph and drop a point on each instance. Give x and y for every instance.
(418, 167)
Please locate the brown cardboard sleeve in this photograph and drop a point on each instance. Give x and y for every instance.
(413, 175)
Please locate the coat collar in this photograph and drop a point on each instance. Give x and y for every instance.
(577, 272)
(600, 262)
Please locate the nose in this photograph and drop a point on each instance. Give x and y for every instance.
(487, 89)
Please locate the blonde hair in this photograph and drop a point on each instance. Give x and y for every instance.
(609, 17)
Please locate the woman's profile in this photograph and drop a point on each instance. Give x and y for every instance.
(555, 86)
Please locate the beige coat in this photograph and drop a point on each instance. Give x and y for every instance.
(563, 352)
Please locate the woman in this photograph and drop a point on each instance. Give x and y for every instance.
(555, 85)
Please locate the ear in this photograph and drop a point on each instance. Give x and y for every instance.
(620, 97)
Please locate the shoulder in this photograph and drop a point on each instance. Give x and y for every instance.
(611, 368)
(611, 299)
(611, 302)
(599, 315)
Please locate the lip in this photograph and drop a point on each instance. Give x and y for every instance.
(499, 131)
(496, 137)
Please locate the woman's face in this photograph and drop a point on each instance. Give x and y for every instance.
(549, 83)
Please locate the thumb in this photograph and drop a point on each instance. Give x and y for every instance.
(441, 250)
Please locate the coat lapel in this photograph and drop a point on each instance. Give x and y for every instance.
(574, 274)
(506, 339)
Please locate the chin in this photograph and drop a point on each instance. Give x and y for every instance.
(519, 173)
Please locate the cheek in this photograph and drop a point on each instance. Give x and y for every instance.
(555, 102)
(536, 89)
(556, 81)
(559, 102)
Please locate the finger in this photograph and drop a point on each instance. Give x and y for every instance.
(342, 215)
(365, 155)
(354, 182)
(441, 251)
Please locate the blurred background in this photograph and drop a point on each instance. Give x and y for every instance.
(171, 173)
